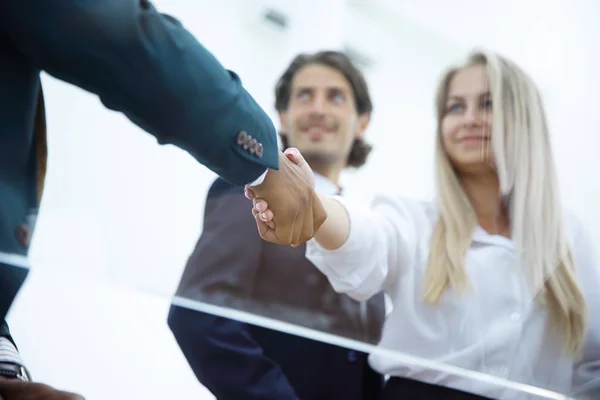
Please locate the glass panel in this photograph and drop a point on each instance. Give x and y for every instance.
(121, 210)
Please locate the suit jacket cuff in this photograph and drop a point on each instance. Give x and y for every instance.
(258, 180)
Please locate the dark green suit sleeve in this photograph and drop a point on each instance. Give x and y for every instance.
(5, 331)
(148, 66)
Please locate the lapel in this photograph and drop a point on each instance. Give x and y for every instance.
(40, 144)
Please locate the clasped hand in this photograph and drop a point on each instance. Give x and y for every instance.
(14, 389)
(286, 207)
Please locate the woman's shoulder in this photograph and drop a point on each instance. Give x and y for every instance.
(574, 225)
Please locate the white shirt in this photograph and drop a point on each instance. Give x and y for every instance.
(493, 329)
(325, 186)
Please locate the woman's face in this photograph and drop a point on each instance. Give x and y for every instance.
(467, 122)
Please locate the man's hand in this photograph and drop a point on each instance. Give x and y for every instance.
(296, 213)
(14, 389)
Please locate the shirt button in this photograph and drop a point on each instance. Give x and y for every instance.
(515, 317)
(503, 372)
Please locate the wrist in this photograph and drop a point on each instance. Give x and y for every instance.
(11, 364)
(11, 370)
(336, 228)
(258, 180)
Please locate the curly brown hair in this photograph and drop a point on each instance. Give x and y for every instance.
(337, 60)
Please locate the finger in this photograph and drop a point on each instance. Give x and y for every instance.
(267, 216)
(307, 230)
(248, 193)
(295, 156)
(270, 223)
(314, 217)
(284, 231)
(289, 153)
(298, 227)
(262, 227)
(265, 232)
(261, 205)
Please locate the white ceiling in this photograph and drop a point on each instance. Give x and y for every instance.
(541, 35)
(474, 20)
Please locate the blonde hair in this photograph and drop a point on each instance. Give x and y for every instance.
(528, 186)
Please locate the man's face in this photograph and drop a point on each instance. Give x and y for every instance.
(321, 120)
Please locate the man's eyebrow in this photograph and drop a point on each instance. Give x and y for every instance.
(303, 87)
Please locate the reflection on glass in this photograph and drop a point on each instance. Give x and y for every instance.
(493, 277)
(324, 105)
(483, 278)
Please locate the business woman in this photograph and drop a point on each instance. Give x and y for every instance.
(493, 276)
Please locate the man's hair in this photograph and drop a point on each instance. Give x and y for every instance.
(340, 62)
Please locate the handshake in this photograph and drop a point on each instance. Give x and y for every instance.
(286, 207)
(15, 389)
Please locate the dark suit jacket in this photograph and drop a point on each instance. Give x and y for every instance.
(139, 62)
(232, 266)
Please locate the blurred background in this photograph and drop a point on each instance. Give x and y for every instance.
(121, 214)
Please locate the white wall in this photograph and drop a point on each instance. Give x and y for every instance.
(121, 214)
(556, 41)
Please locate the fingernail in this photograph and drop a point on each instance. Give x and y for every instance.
(264, 216)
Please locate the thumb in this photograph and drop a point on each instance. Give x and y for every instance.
(294, 155)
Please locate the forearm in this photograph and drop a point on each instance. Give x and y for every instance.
(335, 230)
(149, 67)
(360, 239)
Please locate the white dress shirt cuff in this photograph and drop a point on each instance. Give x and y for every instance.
(258, 180)
(8, 352)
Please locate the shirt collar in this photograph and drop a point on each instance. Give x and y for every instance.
(325, 186)
(482, 236)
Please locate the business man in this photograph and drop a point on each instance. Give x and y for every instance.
(139, 62)
(324, 108)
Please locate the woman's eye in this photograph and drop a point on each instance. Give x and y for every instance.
(455, 108)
